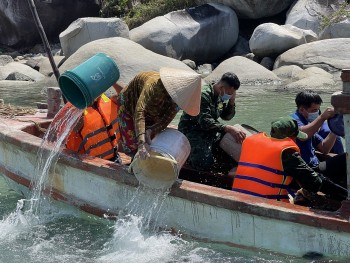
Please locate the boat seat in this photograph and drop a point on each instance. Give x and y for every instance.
(190, 174)
(208, 178)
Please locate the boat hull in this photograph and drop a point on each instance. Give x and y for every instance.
(101, 187)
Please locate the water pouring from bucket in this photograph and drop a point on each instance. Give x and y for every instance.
(169, 151)
(86, 82)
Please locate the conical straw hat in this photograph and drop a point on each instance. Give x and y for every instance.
(184, 87)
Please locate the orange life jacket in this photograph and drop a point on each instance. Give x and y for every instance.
(260, 169)
(99, 135)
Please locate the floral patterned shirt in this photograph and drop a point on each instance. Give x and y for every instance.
(147, 100)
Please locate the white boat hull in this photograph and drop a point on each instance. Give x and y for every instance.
(201, 211)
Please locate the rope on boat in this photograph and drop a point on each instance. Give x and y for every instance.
(10, 111)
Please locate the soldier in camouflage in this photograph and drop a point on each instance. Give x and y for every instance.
(205, 131)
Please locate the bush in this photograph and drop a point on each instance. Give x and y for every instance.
(337, 16)
(141, 13)
(111, 8)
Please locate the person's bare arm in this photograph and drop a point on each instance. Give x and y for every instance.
(327, 144)
(118, 88)
(311, 128)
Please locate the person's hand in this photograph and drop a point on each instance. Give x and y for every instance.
(118, 88)
(233, 98)
(236, 133)
(328, 113)
(114, 98)
(144, 150)
(148, 136)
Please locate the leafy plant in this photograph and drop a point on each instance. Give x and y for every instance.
(141, 13)
(342, 13)
(153, 8)
(111, 8)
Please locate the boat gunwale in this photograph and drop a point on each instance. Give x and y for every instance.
(191, 191)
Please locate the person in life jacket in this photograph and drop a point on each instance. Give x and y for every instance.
(98, 132)
(268, 165)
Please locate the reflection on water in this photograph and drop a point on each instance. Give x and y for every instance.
(23, 93)
(258, 106)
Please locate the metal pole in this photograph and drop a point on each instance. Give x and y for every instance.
(43, 38)
(341, 103)
(346, 91)
(347, 141)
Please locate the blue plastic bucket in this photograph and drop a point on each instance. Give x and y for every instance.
(84, 83)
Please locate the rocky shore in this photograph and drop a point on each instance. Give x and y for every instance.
(299, 54)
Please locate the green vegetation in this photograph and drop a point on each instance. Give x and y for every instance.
(337, 16)
(141, 13)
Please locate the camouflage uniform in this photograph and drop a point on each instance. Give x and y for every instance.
(204, 132)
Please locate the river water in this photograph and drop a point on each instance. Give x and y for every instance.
(62, 234)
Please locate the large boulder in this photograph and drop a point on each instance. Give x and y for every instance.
(336, 30)
(202, 34)
(248, 72)
(293, 74)
(253, 9)
(130, 57)
(17, 22)
(87, 29)
(331, 55)
(316, 83)
(307, 14)
(23, 72)
(271, 40)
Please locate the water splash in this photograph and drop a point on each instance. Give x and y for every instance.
(54, 137)
(37, 210)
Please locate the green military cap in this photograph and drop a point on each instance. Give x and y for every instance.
(286, 127)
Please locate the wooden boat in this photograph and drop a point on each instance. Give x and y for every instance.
(210, 213)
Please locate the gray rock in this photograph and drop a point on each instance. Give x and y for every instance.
(88, 29)
(18, 76)
(290, 73)
(33, 63)
(5, 59)
(17, 23)
(337, 30)
(130, 57)
(202, 34)
(190, 63)
(241, 47)
(16, 67)
(205, 70)
(315, 83)
(248, 72)
(307, 14)
(253, 9)
(271, 40)
(44, 65)
(267, 62)
(331, 55)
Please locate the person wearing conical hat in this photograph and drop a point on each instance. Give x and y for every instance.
(205, 130)
(150, 102)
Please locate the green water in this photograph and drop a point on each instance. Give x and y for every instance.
(64, 235)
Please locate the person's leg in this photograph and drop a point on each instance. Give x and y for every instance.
(332, 189)
(201, 157)
(335, 169)
(222, 161)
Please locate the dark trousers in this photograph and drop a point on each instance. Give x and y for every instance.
(336, 169)
(206, 154)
